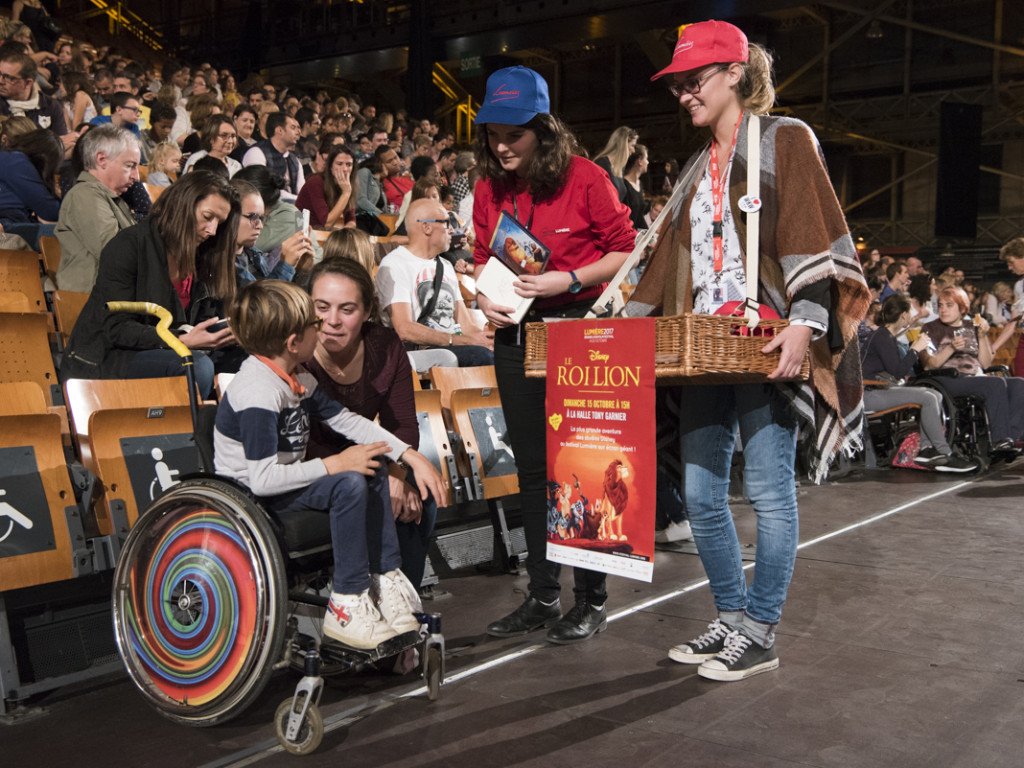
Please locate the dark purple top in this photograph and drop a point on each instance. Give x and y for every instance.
(384, 390)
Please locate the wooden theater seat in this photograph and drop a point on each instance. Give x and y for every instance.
(15, 301)
(49, 247)
(35, 489)
(481, 424)
(128, 444)
(434, 442)
(67, 306)
(447, 380)
(25, 351)
(19, 271)
(86, 396)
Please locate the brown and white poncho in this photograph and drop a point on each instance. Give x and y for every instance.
(804, 239)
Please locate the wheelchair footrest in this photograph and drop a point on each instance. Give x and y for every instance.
(357, 657)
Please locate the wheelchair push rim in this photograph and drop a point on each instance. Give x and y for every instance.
(200, 602)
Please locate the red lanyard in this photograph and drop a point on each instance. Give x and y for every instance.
(717, 193)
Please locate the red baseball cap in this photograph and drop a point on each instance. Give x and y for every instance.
(707, 42)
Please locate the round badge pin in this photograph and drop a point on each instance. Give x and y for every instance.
(750, 204)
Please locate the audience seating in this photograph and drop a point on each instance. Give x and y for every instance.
(447, 380)
(154, 191)
(477, 415)
(15, 301)
(25, 352)
(435, 443)
(67, 306)
(35, 490)
(19, 271)
(49, 247)
(86, 397)
(115, 436)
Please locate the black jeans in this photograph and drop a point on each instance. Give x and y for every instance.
(522, 401)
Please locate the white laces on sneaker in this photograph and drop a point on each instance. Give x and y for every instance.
(735, 644)
(716, 631)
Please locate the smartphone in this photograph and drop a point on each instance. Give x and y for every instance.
(305, 222)
(219, 326)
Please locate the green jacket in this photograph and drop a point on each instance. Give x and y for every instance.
(90, 216)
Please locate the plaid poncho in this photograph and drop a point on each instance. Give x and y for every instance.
(804, 239)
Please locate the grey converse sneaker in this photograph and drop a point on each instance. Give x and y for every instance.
(705, 647)
(739, 659)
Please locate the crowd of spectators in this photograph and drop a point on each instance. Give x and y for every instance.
(919, 322)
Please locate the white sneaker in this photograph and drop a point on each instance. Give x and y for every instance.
(354, 621)
(674, 532)
(397, 600)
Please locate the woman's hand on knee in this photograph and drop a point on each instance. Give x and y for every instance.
(358, 458)
(428, 479)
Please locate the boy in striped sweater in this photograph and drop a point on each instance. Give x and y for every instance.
(262, 430)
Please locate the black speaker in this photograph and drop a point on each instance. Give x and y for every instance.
(956, 199)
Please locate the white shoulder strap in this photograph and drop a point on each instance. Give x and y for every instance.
(754, 216)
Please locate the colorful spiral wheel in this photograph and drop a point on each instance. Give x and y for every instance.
(200, 600)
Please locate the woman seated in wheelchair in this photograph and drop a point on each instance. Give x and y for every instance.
(262, 430)
(882, 360)
(961, 342)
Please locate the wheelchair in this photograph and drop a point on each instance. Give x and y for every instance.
(212, 595)
(965, 419)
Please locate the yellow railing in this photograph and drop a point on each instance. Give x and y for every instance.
(121, 19)
(459, 100)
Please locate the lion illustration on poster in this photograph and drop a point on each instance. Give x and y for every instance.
(613, 503)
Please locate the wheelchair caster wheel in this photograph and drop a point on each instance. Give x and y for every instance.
(311, 732)
(432, 672)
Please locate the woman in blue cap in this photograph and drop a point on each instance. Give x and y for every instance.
(808, 272)
(531, 172)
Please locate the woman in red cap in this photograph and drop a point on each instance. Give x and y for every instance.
(808, 272)
(531, 172)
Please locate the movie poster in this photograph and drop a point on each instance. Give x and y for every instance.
(601, 447)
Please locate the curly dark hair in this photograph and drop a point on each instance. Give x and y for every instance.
(547, 167)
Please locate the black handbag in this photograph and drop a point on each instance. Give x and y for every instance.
(370, 224)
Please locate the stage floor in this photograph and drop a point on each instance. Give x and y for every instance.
(902, 644)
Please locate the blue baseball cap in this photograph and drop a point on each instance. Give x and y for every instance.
(515, 95)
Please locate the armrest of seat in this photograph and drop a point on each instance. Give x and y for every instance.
(998, 370)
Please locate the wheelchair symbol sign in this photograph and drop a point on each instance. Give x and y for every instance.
(25, 515)
(157, 462)
(6, 510)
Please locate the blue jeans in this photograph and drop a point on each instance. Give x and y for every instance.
(414, 538)
(155, 363)
(362, 526)
(708, 421)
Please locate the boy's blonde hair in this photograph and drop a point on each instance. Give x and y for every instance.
(267, 312)
(162, 152)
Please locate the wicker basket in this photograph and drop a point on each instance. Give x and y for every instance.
(691, 349)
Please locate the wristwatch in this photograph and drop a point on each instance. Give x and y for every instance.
(575, 286)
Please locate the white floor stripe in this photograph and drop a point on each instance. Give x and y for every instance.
(352, 715)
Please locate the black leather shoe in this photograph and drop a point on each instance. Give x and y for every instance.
(582, 622)
(531, 615)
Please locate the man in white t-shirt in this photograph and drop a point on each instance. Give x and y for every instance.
(405, 286)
